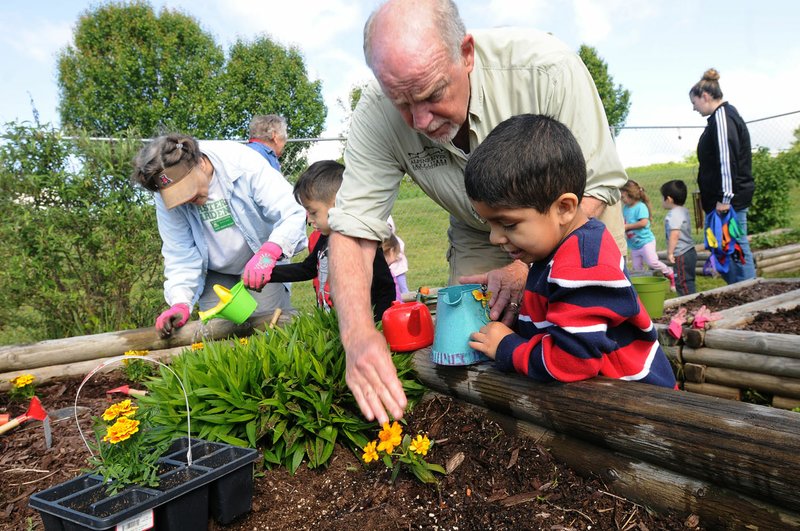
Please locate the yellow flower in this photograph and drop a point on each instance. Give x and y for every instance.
(390, 437)
(120, 409)
(421, 444)
(369, 452)
(135, 353)
(22, 380)
(243, 341)
(482, 296)
(121, 430)
(197, 346)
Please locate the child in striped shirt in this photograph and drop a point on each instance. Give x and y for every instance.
(579, 316)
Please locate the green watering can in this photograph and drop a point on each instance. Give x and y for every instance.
(460, 311)
(234, 305)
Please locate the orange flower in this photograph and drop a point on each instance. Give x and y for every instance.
(120, 409)
(370, 454)
(421, 444)
(390, 437)
(197, 346)
(121, 430)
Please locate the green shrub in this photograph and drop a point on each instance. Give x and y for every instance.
(283, 390)
(774, 177)
(81, 252)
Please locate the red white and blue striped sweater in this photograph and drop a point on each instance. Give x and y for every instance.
(580, 317)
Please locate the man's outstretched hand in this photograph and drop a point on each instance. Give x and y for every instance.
(372, 378)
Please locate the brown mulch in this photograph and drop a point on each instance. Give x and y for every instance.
(502, 482)
(716, 302)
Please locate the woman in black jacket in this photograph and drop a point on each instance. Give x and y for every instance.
(725, 177)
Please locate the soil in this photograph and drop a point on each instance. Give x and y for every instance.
(716, 302)
(777, 322)
(498, 481)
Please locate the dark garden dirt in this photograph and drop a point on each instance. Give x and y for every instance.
(497, 482)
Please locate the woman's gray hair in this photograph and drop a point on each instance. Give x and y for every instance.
(163, 152)
(445, 17)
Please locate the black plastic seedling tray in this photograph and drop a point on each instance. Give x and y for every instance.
(219, 482)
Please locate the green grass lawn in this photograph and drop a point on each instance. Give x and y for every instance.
(422, 224)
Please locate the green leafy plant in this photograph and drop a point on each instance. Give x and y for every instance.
(127, 449)
(283, 390)
(401, 451)
(22, 388)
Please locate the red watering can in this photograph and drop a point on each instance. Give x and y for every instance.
(407, 326)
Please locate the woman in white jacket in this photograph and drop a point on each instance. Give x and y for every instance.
(224, 214)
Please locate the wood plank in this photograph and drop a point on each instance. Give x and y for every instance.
(720, 391)
(693, 372)
(767, 344)
(766, 383)
(79, 368)
(751, 449)
(744, 361)
(83, 348)
(785, 402)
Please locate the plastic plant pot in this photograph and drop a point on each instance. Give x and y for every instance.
(219, 485)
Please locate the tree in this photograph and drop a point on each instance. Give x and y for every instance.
(130, 68)
(616, 100)
(263, 77)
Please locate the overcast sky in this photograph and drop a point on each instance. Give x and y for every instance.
(655, 48)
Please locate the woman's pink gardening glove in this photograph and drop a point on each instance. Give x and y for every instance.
(258, 270)
(172, 319)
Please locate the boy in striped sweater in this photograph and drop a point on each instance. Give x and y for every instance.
(580, 316)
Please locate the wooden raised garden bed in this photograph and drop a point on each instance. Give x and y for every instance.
(728, 358)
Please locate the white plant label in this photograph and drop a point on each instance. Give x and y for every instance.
(140, 522)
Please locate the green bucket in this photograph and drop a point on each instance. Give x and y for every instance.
(652, 291)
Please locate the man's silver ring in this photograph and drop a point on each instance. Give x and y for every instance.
(514, 307)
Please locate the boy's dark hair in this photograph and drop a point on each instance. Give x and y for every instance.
(675, 189)
(319, 182)
(527, 161)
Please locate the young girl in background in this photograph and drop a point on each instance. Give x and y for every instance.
(641, 240)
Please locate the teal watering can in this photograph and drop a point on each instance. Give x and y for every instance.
(460, 311)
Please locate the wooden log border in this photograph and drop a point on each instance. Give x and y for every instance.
(750, 449)
(664, 490)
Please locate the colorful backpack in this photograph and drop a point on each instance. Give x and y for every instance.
(722, 233)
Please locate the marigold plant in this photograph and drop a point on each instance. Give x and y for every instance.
(126, 453)
(396, 449)
(22, 387)
(137, 370)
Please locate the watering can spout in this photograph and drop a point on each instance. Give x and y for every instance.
(224, 295)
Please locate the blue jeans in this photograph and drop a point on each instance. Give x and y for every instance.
(741, 271)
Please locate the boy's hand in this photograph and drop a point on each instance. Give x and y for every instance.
(488, 337)
(671, 258)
